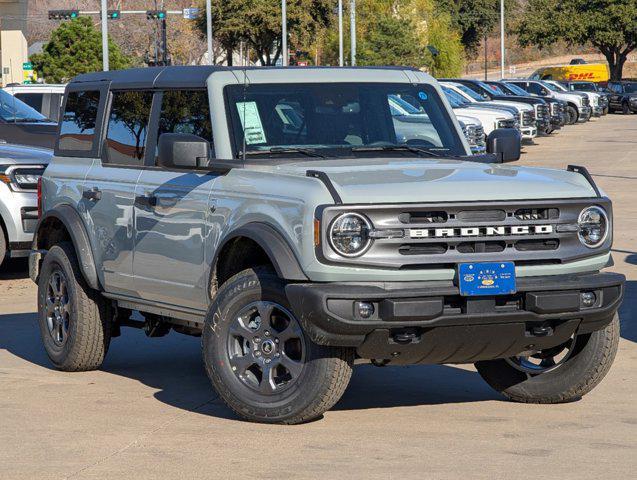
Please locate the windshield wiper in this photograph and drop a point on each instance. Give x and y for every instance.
(423, 152)
(305, 151)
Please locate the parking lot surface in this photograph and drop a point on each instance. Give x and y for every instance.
(150, 412)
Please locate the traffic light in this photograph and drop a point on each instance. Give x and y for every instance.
(113, 15)
(155, 14)
(63, 14)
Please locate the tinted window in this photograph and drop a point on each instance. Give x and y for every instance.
(13, 109)
(184, 111)
(336, 117)
(34, 100)
(77, 131)
(127, 127)
(535, 88)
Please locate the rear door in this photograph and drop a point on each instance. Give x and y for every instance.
(109, 190)
(171, 210)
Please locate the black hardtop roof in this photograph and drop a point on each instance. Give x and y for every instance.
(177, 76)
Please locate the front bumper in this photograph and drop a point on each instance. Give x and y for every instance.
(430, 322)
(528, 133)
(598, 111)
(584, 114)
(18, 211)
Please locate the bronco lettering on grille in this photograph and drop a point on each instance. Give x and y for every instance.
(480, 231)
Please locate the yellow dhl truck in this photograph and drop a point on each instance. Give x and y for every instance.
(590, 72)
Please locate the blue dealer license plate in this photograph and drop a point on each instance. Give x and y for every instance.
(489, 278)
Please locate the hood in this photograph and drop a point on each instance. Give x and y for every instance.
(468, 120)
(382, 180)
(520, 106)
(484, 112)
(18, 154)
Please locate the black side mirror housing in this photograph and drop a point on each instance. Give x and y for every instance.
(505, 143)
(182, 150)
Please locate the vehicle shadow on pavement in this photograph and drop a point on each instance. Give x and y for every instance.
(628, 320)
(14, 269)
(172, 366)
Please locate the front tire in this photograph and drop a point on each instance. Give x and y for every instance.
(625, 108)
(573, 115)
(73, 318)
(586, 359)
(261, 362)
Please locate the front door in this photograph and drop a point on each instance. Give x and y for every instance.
(109, 190)
(171, 211)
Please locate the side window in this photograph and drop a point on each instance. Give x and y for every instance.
(535, 88)
(185, 111)
(34, 100)
(77, 130)
(128, 127)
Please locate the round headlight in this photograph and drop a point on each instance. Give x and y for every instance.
(593, 226)
(349, 234)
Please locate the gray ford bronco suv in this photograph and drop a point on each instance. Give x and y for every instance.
(286, 217)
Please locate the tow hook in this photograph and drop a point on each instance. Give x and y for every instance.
(541, 331)
(405, 337)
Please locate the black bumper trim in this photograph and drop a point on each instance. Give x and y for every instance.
(326, 310)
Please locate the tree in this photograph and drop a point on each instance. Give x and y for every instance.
(258, 23)
(608, 25)
(473, 18)
(390, 41)
(75, 47)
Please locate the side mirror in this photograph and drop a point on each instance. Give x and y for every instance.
(545, 92)
(182, 150)
(505, 143)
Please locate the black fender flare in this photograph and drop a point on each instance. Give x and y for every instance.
(74, 225)
(275, 246)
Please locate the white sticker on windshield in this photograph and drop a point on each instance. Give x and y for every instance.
(251, 123)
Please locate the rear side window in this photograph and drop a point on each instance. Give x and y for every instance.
(128, 127)
(34, 100)
(184, 111)
(77, 129)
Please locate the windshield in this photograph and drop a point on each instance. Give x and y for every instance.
(472, 93)
(15, 110)
(584, 87)
(338, 119)
(550, 86)
(496, 89)
(630, 87)
(455, 99)
(513, 88)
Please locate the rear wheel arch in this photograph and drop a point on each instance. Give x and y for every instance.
(254, 245)
(63, 224)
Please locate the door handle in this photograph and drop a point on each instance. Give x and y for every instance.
(93, 195)
(147, 201)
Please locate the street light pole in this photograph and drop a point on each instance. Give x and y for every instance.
(340, 32)
(501, 39)
(104, 8)
(284, 33)
(352, 30)
(209, 31)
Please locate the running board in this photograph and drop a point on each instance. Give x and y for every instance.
(190, 317)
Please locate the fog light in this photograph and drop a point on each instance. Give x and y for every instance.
(588, 299)
(364, 309)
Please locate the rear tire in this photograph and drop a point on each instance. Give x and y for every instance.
(74, 321)
(291, 381)
(572, 115)
(591, 356)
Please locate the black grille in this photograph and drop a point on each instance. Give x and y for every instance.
(537, 213)
(423, 217)
(528, 118)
